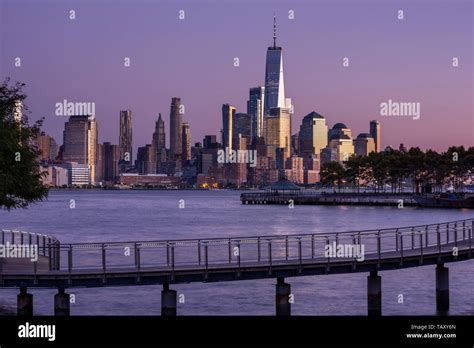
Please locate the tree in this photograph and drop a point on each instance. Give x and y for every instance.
(332, 173)
(20, 174)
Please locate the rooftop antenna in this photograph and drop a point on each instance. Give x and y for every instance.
(274, 30)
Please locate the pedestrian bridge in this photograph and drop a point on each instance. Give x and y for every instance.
(167, 262)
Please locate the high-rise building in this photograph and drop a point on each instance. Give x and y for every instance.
(210, 142)
(375, 133)
(364, 144)
(228, 115)
(125, 139)
(338, 130)
(92, 137)
(80, 143)
(176, 119)
(313, 135)
(47, 147)
(159, 144)
(255, 108)
(278, 132)
(75, 138)
(110, 160)
(186, 142)
(241, 128)
(146, 160)
(274, 82)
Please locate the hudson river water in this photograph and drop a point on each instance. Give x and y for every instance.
(152, 215)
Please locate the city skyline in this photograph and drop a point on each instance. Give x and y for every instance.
(206, 120)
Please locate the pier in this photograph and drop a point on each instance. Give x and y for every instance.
(280, 257)
(322, 198)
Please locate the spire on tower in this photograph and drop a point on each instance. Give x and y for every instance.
(274, 31)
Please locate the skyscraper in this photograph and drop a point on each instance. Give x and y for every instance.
(313, 135)
(375, 133)
(125, 139)
(278, 132)
(228, 115)
(255, 108)
(159, 144)
(364, 144)
(176, 119)
(241, 128)
(186, 141)
(92, 136)
(274, 82)
(109, 155)
(146, 160)
(80, 143)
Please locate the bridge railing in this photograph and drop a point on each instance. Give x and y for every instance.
(44, 245)
(238, 252)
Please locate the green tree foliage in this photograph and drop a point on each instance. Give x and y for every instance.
(426, 171)
(20, 175)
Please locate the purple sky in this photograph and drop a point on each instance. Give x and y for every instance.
(409, 60)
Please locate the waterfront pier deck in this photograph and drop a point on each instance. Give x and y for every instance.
(168, 262)
(322, 198)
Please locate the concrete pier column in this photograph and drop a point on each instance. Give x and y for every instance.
(374, 294)
(168, 301)
(282, 298)
(62, 304)
(24, 303)
(442, 288)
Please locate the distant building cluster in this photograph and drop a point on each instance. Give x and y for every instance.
(265, 129)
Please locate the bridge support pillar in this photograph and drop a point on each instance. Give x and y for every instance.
(442, 288)
(374, 294)
(282, 298)
(168, 301)
(24, 303)
(62, 304)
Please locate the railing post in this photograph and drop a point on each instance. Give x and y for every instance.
(286, 248)
(103, 258)
(401, 247)
(50, 256)
(172, 257)
(238, 254)
(3, 237)
(421, 245)
(312, 246)
(69, 259)
(379, 245)
(426, 236)
(206, 255)
(229, 248)
(270, 252)
(456, 234)
(396, 239)
(57, 256)
(300, 256)
(329, 256)
(464, 230)
(447, 233)
(199, 251)
(438, 234)
(137, 257)
(135, 247)
(258, 246)
(167, 253)
(413, 238)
